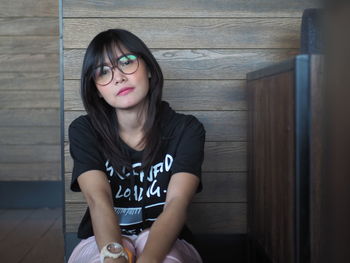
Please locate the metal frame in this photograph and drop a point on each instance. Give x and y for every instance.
(302, 158)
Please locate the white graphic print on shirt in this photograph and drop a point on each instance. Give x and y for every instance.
(123, 193)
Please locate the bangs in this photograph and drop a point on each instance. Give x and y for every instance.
(108, 53)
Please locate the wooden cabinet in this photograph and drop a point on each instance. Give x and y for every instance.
(284, 158)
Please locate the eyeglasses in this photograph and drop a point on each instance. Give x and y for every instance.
(127, 64)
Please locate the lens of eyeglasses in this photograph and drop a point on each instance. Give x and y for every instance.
(103, 75)
(127, 64)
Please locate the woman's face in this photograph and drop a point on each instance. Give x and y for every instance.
(125, 91)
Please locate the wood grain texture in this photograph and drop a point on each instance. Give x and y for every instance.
(29, 117)
(215, 217)
(30, 97)
(29, 81)
(33, 171)
(29, 153)
(9, 220)
(29, 135)
(213, 64)
(52, 241)
(191, 32)
(218, 157)
(317, 153)
(29, 26)
(271, 177)
(217, 187)
(29, 8)
(186, 8)
(223, 125)
(225, 156)
(22, 99)
(182, 94)
(29, 62)
(222, 187)
(28, 44)
(219, 125)
(37, 224)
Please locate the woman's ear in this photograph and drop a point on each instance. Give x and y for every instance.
(149, 74)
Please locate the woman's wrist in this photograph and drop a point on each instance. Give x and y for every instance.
(115, 252)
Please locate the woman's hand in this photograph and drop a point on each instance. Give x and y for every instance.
(180, 191)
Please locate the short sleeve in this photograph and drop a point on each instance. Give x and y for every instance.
(84, 149)
(190, 151)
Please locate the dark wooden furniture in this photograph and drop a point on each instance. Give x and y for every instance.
(284, 158)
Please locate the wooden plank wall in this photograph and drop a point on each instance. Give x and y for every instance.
(29, 101)
(205, 49)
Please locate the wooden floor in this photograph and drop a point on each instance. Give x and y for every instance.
(31, 236)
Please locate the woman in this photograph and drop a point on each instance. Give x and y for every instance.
(137, 162)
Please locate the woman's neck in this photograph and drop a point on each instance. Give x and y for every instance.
(131, 123)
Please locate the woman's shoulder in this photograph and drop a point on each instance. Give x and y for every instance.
(81, 124)
(188, 120)
(173, 120)
(82, 120)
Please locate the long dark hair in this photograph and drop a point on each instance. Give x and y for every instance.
(103, 116)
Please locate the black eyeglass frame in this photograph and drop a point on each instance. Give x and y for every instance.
(113, 67)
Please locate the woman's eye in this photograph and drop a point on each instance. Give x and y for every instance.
(125, 63)
(127, 60)
(104, 71)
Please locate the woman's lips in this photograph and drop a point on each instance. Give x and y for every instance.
(125, 91)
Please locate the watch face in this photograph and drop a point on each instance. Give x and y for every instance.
(114, 248)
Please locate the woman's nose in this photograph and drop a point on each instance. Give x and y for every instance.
(118, 76)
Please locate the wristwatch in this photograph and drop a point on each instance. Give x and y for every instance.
(112, 250)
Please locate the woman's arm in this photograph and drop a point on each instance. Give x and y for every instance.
(168, 225)
(98, 195)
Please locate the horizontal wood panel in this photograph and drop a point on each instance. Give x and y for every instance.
(35, 26)
(225, 156)
(217, 187)
(22, 99)
(29, 44)
(186, 8)
(29, 135)
(218, 218)
(219, 125)
(197, 64)
(39, 171)
(203, 217)
(218, 157)
(29, 153)
(29, 62)
(191, 32)
(206, 95)
(12, 8)
(29, 117)
(182, 94)
(222, 187)
(29, 81)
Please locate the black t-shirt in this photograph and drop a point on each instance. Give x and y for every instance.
(139, 197)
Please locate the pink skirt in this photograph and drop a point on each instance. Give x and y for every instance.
(182, 252)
